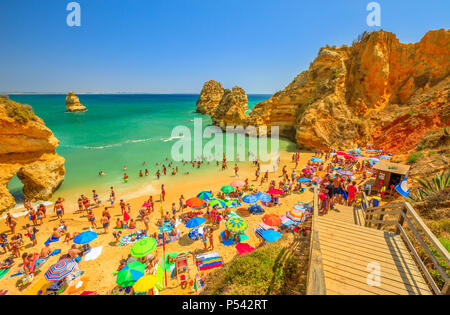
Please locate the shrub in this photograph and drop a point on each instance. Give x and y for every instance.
(20, 113)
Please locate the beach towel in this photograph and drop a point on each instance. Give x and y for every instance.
(243, 237)
(51, 239)
(55, 252)
(224, 241)
(40, 286)
(4, 272)
(89, 293)
(78, 286)
(267, 227)
(93, 254)
(209, 261)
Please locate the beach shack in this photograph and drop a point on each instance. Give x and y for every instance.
(387, 174)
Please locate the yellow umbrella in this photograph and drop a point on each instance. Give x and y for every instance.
(145, 283)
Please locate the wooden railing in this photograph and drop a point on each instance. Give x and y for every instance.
(406, 214)
(316, 278)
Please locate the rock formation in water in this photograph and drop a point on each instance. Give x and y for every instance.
(27, 148)
(231, 109)
(377, 91)
(210, 97)
(73, 104)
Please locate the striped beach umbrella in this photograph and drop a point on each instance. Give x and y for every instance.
(236, 225)
(205, 195)
(295, 215)
(60, 270)
(249, 199)
(217, 202)
(263, 197)
(128, 275)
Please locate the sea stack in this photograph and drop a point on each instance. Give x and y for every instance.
(210, 97)
(73, 104)
(28, 150)
(231, 109)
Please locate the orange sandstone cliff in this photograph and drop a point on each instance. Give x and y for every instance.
(378, 90)
(27, 148)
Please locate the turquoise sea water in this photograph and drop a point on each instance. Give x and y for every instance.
(116, 131)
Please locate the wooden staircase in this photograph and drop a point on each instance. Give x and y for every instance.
(352, 255)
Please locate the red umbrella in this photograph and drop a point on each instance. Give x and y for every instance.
(244, 248)
(195, 202)
(275, 192)
(271, 219)
(341, 153)
(306, 171)
(349, 157)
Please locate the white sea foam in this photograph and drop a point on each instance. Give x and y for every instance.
(85, 147)
(171, 138)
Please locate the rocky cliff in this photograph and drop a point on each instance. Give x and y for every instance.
(210, 97)
(378, 90)
(231, 109)
(73, 104)
(27, 148)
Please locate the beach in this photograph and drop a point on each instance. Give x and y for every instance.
(100, 271)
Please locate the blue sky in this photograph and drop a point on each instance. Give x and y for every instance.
(174, 46)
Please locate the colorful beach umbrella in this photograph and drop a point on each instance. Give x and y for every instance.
(145, 283)
(316, 160)
(295, 215)
(238, 183)
(249, 199)
(227, 189)
(219, 203)
(244, 248)
(60, 270)
(346, 173)
(143, 247)
(263, 197)
(128, 275)
(303, 180)
(236, 225)
(194, 222)
(204, 195)
(85, 237)
(275, 192)
(271, 219)
(195, 202)
(271, 235)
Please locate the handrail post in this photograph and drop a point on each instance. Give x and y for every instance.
(401, 220)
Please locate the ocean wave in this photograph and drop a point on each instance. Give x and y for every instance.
(101, 147)
(171, 138)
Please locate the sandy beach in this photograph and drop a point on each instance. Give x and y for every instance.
(100, 271)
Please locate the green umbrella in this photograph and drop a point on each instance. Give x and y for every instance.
(128, 275)
(219, 202)
(227, 189)
(143, 247)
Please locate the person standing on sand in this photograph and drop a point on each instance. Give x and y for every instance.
(91, 218)
(163, 193)
(211, 239)
(112, 197)
(105, 224)
(31, 233)
(11, 223)
(236, 170)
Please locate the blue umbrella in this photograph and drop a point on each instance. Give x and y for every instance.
(85, 237)
(374, 160)
(384, 157)
(192, 223)
(263, 197)
(204, 195)
(271, 235)
(249, 199)
(303, 180)
(316, 160)
(60, 270)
